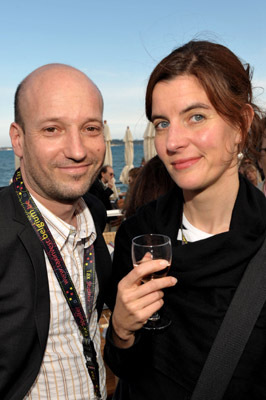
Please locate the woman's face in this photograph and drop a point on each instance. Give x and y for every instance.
(130, 179)
(262, 160)
(197, 146)
(251, 175)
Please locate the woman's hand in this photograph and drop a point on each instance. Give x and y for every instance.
(137, 301)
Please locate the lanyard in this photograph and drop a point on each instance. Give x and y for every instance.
(48, 243)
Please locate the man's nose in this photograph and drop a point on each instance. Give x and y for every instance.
(74, 145)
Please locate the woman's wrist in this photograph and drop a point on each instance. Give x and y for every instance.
(122, 339)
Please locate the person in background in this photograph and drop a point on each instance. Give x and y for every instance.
(106, 176)
(199, 99)
(152, 181)
(132, 176)
(102, 187)
(262, 152)
(243, 163)
(143, 162)
(252, 174)
(55, 266)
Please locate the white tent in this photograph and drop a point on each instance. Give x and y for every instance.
(108, 160)
(129, 156)
(148, 142)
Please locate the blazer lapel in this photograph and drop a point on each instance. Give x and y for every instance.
(103, 269)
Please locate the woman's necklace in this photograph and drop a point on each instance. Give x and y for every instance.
(184, 240)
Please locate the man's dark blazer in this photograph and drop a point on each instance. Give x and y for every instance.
(24, 293)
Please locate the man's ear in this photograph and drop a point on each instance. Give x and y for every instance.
(16, 134)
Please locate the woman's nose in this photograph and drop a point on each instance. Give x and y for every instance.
(176, 137)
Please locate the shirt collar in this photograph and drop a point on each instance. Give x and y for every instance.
(85, 231)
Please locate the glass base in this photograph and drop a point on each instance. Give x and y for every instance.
(157, 325)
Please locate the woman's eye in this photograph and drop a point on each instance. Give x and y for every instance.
(197, 118)
(162, 125)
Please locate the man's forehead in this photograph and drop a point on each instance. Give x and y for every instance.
(53, 77)
(57, 77)
(47, 71)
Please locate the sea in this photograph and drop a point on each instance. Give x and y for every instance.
(7, 163)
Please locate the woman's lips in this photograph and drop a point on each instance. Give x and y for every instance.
(185, 163)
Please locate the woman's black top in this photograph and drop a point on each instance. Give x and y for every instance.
(167, 365)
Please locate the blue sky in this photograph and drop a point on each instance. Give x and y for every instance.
(118, 43)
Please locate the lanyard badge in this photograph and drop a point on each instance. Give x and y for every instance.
(48, 243)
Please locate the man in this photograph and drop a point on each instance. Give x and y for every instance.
(103, 186)
(107, 175)
(46, 230)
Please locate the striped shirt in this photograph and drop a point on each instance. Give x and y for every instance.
(63, 373)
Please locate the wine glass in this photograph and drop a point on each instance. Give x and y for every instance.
(153, 247)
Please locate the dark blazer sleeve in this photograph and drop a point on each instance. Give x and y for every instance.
(24, 300)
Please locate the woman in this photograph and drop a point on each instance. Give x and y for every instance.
(252, 174)
(262, 153)
(199, 99)
(133, 174)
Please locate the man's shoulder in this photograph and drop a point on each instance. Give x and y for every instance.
(12, 218)
(6, 199)
(11, 212)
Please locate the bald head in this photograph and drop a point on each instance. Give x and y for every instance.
(58, 133)
(47, 75)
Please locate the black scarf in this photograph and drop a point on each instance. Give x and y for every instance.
(209, 272)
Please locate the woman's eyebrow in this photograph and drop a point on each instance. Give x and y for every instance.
(187, 109)
(153, 117)
(195, 105)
